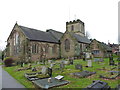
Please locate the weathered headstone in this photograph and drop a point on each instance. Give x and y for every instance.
(101, 60)
(44, 70)
(84, 56)
(111, 61)
(38, 62)
(34, 69)
(71, 61)
(66, 62)
(50, 72)
(62, 66)
(78, 66)
(23, 64)
(89, 63)
(49, 61)
(51, 65)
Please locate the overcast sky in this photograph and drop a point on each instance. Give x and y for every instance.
(100, 16)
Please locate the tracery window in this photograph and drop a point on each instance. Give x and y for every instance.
(67, 45)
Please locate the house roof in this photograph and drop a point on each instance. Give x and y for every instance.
(104, 45)
(81, 39)
(37, 35)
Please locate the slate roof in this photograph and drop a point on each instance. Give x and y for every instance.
(105, 46)
(49, 36)
(37, 35)
(57, 35)
(81, 39)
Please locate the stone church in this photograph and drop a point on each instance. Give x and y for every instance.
(28, 44)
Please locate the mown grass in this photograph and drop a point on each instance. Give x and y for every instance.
(74, 82)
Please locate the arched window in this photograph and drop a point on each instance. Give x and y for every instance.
(72, 28)
(67, 45)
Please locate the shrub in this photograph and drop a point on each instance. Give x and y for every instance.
(8, 61)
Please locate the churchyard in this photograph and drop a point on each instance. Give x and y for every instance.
(77, 74)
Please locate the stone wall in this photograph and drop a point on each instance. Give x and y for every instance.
(71, 52)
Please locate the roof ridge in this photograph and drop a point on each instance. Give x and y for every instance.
(32, 28)
(53, 30)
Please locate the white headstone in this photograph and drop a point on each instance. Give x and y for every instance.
(66, 62)
(38, 62)
(44, 70)
(23, 64)
(89, 63)
(87, 55)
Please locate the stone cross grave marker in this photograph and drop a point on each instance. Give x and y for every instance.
(78, 66)
(89, 63)
(44, 70)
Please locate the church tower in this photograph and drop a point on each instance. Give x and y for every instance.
(76, 26)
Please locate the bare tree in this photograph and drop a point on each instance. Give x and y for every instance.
(87, 34)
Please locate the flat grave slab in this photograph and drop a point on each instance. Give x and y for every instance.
(83, 74)
(43, 83)
(110, 75)
(35, 76)
(98, 85)
(98, 60)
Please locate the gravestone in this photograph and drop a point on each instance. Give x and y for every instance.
(21, 64)
(111, 61)
(51, 65)
(44, 70)
(62, 66)
(78, 66)
(84, 56)
(87, 55)
(98, 85)
(89, 63)
(50, 72)
(34, 69)
(66, 62)
(49, 61)
(38, 62)
(71, 61)
(101, 60)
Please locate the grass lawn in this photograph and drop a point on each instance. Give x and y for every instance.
(74, 82)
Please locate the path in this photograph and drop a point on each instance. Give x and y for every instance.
(7, 81)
